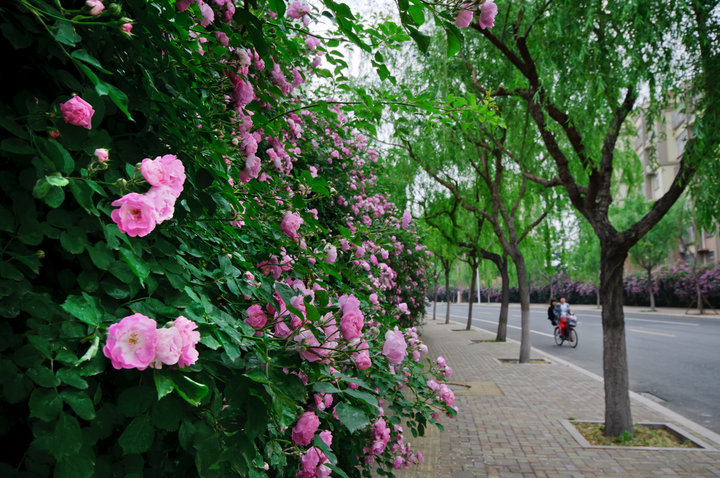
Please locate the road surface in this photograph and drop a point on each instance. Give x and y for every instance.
(673, 360)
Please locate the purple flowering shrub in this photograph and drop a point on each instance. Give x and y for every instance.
(199, 274)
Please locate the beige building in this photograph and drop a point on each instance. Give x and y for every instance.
(660, 150)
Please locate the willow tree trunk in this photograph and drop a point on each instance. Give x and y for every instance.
(473, 282)
(504, 304)
(651, 293)
(524, 290)
(447, 295)
(618, 417)
(435, 299)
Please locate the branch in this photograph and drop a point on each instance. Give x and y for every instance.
(532, 226)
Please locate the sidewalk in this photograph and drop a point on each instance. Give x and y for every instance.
(510, 423)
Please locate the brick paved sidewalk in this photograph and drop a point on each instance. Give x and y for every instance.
(510, 420)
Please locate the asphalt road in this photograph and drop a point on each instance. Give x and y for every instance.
(673, 360)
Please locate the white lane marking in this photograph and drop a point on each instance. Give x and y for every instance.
(495, 323)
(650, 332)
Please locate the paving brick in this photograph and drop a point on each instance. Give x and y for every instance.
(509, 423)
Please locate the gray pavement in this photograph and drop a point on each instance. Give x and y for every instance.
(511, 420)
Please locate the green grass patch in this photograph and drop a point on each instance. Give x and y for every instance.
(658, 437)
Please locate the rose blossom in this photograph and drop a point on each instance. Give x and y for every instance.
(351, 323)
(168, 348)
(330, 254)
(464, 16)
(256, 318)
(362, 360)
(190, 337)
(102, 155)
(395, 347)
(78, 112)
(163, 200)
(488, 10)
(165, 171)
(305, 428)
(131, 342)
(136, 216)
(326, 436)
(96, 6)
(126, 28)
(290, 224)
(447, 395)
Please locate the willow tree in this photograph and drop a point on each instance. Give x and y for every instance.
(579, 67)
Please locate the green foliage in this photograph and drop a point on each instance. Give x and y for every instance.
(67, 273)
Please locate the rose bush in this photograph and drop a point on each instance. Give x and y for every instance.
(179, 315)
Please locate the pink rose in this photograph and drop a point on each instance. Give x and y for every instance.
(402, 307)
(464, 16)
(222, 38)
(373, 298)
(168, 348)
(395, 347)
(182, 5)
(53, 133)
(488, 11)
(78, 112)
(102, 155)
(330, 255)
(126, 28)
(207, 13)
(406, 219)
(190, 338)
(351, 324)
(164, 201)
(165, 171)
(433, 385)
(136, 216)
(290, 224)
(441, 361)
(447, 395)
(312, 42)
(362, 360)
(131, 342)
(297, 10)
(96, 6)
(305, 428)
(256, 317)
(313, 464)
(326, 437)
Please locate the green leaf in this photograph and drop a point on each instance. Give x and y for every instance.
(74, 240)
(166, 413)
(364, 396)
(163, 384)
(80, 465)
(45, 404)
(137, 265)
(72, 378)
(55, 197)
(84, 56)
(41, 188)
(91, 352)
(138, 436)
(43, 376)
(422, 40)
(83, 308)
(80, 403)
(16, 145)
(325, 387)
(190, 390)
(60, 156)
(67, 437)
(65, 33)
(56, 179)
(101, 255)
(83, 195)
(354, 419)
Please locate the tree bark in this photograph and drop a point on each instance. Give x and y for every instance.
(618, 417)
(650, 289)
(447, 294)
(470, 295)
(435, 300)
(524, 290)
(505, 303)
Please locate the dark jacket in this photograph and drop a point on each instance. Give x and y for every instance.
(551, 315)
